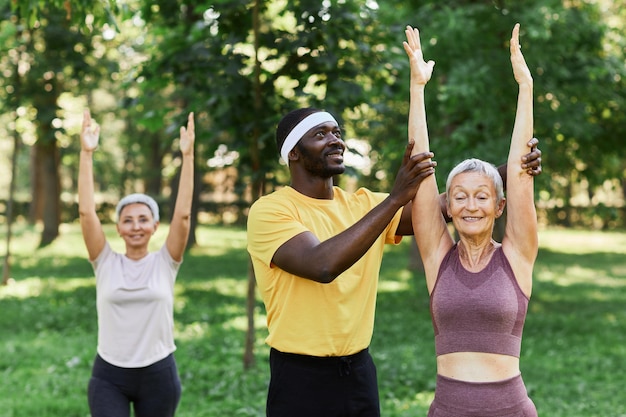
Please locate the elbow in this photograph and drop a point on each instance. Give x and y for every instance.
(322, 275)
(326, 278)
(182, 219)
(83, 212)
(328, 274)
(310, 266)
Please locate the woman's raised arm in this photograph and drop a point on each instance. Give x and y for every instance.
(93, 234)
(520, 239)
(429, 225)
(181, 218)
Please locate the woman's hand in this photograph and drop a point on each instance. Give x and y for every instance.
(421, 71)
(520, 69)
(187, 136)
(90, 133)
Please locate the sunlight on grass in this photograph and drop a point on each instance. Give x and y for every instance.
(595, 262)
(34, 287)
(195, 330)
(421, 401)
(395, 282)
(200, 330)
(424, 398)
(582, 241)
(241, 322)
(574, 341)
(392, 286)
(576, 274)
(225, 286)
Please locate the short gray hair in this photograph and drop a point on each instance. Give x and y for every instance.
(482, 167)
(137, 198)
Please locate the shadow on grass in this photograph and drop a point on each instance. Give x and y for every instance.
(46, 267)
(51, 310)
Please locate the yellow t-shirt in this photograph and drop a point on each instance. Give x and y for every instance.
(304, 316)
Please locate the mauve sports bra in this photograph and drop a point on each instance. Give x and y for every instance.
(477, 312)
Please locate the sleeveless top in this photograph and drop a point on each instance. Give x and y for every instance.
(477, 311)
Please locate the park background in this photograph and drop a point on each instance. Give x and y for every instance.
(239, 65)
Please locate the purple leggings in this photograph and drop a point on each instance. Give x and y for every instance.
(506, 398)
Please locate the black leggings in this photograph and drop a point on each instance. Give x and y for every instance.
(153, 390)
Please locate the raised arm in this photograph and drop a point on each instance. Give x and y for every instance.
(520, 239)
(305, 256)
(93, 234)
(181, 219)
(429, 226)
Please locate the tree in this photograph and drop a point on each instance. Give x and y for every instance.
(55, 60)
(243, 65)
(13, 99)
(576, 57)
(240, 65)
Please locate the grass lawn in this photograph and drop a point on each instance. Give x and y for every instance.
(573, 354)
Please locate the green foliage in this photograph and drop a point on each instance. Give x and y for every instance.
(241, 65)
(573, 348)
(74, 12)
(472, 96)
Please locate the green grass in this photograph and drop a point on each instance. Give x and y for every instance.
(573, 352)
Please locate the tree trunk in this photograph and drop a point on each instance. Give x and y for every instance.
(17, 83)
(48, 156)
(6, 267)
(153, 180)
(35, 209)
(257, 182)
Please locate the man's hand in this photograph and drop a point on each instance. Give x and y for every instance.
(411, 173)
(531, 162)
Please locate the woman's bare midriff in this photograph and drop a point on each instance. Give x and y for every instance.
(477, 366)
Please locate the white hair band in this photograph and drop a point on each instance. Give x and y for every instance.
(138, 198)
(301, 128)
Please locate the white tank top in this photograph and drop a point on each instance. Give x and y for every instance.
(135, 303)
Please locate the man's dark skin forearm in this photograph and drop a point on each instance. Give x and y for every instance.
(305, 256)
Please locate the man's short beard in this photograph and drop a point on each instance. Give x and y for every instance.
(318, 166)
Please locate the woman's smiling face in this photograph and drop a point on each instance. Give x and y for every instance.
(473, 203)
(136, 225)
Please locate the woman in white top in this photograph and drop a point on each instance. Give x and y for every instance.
(135, 290)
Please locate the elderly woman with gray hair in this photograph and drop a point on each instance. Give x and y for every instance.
(479, 288)
(135, 290)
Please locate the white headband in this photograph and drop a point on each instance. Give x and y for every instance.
(138, 198)
(301, 128)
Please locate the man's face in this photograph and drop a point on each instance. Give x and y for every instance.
(321, 150)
